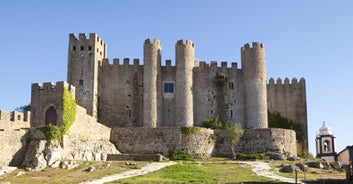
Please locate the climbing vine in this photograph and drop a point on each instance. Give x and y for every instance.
(221, 79)
(276, 120)
(54, 133)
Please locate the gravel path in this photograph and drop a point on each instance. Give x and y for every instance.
(131, 173)
(264, 169)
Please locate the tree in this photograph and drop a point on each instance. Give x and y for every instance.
(24, 108)
(232, 136)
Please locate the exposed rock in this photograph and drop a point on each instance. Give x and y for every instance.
(336, 165)
(293, 158)
(302, 166)
(289, 169)
(34, 157)
(68, 164)
(317, 165)
(90, 169)
(326, 165)
(19, 174)
(275, 156)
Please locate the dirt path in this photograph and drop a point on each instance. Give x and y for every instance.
(131, 173)
(264, 169)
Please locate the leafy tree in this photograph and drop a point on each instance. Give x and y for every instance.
(233, 133)
(24, 108)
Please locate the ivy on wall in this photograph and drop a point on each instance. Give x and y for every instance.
(54, 133)
(276, 120)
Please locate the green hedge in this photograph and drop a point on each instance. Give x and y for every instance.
(190, 130)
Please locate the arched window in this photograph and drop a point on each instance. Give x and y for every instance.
(51, 116)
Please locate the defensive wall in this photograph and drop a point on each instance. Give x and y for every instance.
(289, 99)
(202, 144)
(13, 128)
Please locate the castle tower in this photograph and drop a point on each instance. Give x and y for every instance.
(47, 103)
(185, 57)
(84, 56)
(325, 144)
(151, 69)
(254, 84)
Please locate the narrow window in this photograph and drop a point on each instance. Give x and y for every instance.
(18, 117)
(231, 114)
(231, 85)
(81, 82)
(168, 87)
(89, 47)
(82, 48)
(74, 48)
(128, 112)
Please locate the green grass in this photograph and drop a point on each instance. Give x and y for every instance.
(76, 175)
(193, 172)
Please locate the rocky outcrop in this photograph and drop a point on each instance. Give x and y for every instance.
(40, 154)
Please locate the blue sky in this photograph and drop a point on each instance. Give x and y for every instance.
(310, 39)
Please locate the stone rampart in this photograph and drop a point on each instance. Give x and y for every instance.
(268, 140)
(13, 129)
(162, 140)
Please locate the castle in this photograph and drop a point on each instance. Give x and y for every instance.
(144, 105)
(151, 95)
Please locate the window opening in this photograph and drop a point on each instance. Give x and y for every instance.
(81, 82)
(82, 48)
(74, 48)
(89, 47)
(168, 87)
(231, 85)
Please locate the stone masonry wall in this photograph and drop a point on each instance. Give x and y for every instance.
(268, 140)
(13, 129)
(162, 140)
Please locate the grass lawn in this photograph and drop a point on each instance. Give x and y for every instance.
(199, 172)
(76, 175)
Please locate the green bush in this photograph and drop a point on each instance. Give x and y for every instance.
(176, 154)
(221, 79)
(52, 133)
(213, 122)
(276, 120)
(190, 130)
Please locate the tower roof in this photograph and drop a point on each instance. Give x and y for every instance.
(325, 130)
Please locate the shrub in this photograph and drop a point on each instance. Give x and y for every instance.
(176, 154)
(190, 130)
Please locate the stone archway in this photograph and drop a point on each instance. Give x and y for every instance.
(51, 116)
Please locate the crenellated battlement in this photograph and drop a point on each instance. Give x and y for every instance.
(155, 42)
(255, 45)
(105, 64)
(15, 116)
(93, 37)
(49, 86)
(214, 64)
(286, 81)
(184, 43)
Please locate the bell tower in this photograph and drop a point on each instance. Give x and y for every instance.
(325, 144)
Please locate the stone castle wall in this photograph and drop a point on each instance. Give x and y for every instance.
(268, 140)
(203, 144)
(289, 99)
(162, 140)
(13, 129)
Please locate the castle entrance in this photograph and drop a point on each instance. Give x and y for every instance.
(51, 116)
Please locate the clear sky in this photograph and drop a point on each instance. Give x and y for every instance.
(311, 39)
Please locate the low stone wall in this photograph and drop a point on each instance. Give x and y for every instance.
(12, 146)
(136, 157)
(268, 140)
(162, 140)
